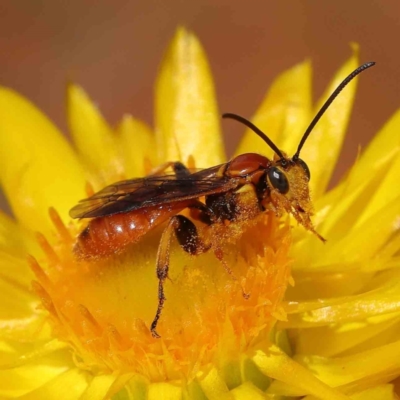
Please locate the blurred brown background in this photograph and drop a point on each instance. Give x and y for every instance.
(113, 49)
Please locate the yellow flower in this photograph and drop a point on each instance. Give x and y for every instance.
(83, 331)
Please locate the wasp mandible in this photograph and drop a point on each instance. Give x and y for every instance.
(238, 190)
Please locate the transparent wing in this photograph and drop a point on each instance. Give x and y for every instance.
(152, 191)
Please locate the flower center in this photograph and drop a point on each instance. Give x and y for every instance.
(104, 308)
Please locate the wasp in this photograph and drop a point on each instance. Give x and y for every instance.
(239, 190)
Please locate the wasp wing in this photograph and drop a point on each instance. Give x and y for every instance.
(150, 191)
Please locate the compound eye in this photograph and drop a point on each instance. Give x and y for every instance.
(278, 180)
(305, 167)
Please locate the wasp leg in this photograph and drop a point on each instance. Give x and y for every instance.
(162, 269)
(188, 238)
(186, 233)
(220, 256)
(179, 169)
(201, 212)
(191, 243)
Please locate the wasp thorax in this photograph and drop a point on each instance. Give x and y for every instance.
(245, 164)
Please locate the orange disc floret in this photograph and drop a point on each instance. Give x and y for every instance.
(103, 307)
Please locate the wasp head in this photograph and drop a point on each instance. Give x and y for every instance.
(287, 178)
(288, 183)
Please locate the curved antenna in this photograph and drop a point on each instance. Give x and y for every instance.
(262, 135)
(328, 103)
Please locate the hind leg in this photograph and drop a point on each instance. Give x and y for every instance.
(186, 233)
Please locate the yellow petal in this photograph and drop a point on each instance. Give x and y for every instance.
(379, 300)
(380, 151)
(25, 329)
(381, 392)
(136, 388)
(281, 390)
(187, 120)
(214, 385)
(67, 386)
(33, 378)
(136, 144)
(337, 214)
(38, 355)
(322, 148)
(20, 381)
(38, 167)
(283, 113)
(387, 191)
(104, 386)
(356, 369)
(14, 270)
(247, 391)
(278, 365)
(92, 136)
(15, 299)
(14, 239)
(341, 337)
(20, 319)
(98, 387)
(165, 391)
(336, 281)
(365, 240)
(343, 205)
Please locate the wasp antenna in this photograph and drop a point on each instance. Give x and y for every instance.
(328, 102)
(250, 125)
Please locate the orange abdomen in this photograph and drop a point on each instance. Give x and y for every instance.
(108, 235)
